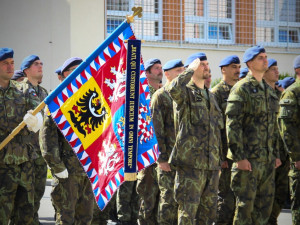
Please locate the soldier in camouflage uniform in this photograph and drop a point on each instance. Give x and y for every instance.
(33, 68)
(147, 186)
(127, 203)
(16, 158)
(163, 121)
(289, 127)
(250, 125)
(72, 194)
(230, 68)
(281, 173)
(198, 121)
(101, 217)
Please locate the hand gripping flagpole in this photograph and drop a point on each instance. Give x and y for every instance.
(20, 126)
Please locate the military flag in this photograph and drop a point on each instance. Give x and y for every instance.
(89, 109)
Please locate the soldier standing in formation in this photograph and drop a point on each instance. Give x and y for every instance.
(72, 194)
(16, 158)
(250, 125)
(289, 127)
(18, 76)
(230, 68)
(32, 67)
(163, 121)
(271, 76)
(147, 187)
(196, 151)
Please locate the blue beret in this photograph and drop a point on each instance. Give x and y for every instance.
(191, 58)
(287, 81)
(58, 71)
(297, 62)
(272, 62)
(151, 62)
(172, 64)
(69, 63)
(230, 59)
(243, 72)
(27, 62)
(17, 75)
(250, 53)
(6, 53)
(279, 83)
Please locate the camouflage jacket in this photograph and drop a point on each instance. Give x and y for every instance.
(251, 121)
(56, 150)
(13, 107)
(289, 120)
(31, 91)
(282, 152)
(221, 92)
(163, 121)
(197, 125)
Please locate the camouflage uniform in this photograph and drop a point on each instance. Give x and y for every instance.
(40, 166)
(127, 203)
(198, 121)
(16, 158)
(163, 121)
(148, 191)
(281, 180)
(289, 126)
(72, 197)
(250, 125)
(226, 199)
(101, 217)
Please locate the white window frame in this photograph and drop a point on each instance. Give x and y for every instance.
(146, 16)
(276, 25)
(206, 20)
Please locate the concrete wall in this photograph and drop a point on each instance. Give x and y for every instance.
(40, 27)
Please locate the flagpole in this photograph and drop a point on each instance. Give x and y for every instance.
(20, 126)
(137, 11)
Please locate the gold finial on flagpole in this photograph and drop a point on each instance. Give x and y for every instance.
(137, 11)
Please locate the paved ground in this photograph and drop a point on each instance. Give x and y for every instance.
(46, 212)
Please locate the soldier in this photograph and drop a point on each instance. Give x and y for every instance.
(207, 81)
(286, 82)
(297, 66)
(289, 127)
(59, 76)
(16, 164)
(127, 203)
(281, 173)
(18, 76)
(230, 69)
(198, 121)
(32, 67)
(163, 121)
(243, 73)
(147, 187)
(250, 126)
(72, 194)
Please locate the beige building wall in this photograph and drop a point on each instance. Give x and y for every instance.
(58, 29)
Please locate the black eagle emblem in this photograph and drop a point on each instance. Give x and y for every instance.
(85, 114)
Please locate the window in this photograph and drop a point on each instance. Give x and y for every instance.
(278, 22)
(215, 23)
(209, 21)
(148, 27)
